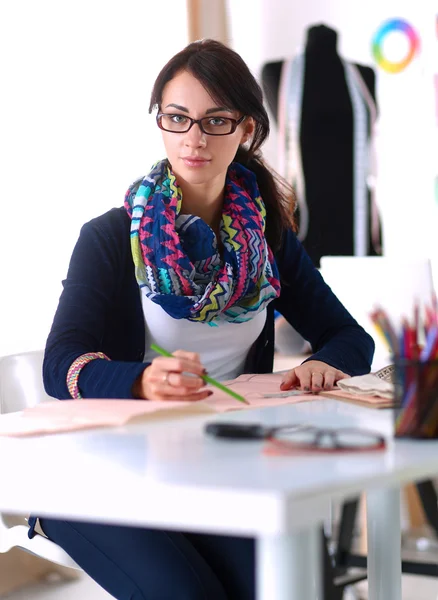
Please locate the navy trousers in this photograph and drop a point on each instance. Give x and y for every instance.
(147, 564)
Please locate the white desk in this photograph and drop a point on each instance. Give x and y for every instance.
(170, 475)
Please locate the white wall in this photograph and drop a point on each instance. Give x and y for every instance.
(266, 30)
(74, 129)
(76, 76)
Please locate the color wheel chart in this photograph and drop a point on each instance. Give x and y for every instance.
(404, 50)
(402, 28)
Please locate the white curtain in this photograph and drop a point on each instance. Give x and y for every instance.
(76, 77)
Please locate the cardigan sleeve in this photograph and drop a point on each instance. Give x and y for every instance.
(82, 317)
(311, 307)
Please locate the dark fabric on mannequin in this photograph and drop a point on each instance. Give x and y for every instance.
(326, 142)
(147, 564)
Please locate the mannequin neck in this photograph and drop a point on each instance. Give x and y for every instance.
(321, 39)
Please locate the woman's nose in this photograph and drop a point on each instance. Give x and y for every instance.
(195, 137)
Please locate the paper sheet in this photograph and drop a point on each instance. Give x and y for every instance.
(71, 415)
(259, 390)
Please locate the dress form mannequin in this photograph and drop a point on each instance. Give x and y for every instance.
(326, 143)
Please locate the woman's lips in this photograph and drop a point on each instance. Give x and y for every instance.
(195, 162)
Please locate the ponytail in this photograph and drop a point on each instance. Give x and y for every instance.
(277, 195)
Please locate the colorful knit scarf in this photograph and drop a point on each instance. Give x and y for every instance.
(176, 256)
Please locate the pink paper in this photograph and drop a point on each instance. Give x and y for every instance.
(254, 388)
(71, 415)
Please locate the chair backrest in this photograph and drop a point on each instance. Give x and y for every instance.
(21, 386)
(363, 282)
(21, 382)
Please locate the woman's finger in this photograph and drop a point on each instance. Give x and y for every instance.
(190, 382)
(329, 380)
(289, 381)
(341, 375)
(192, 356)
(169, 382)
(317, 379)
(304, 376)
(176, 364)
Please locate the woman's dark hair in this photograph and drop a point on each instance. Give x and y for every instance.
(226, 77)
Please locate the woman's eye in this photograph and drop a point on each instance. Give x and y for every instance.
(217, 121)
(178, 118)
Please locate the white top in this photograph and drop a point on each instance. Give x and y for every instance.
(169, 474)
(223, 349)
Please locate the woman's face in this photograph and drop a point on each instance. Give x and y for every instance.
(196, 157)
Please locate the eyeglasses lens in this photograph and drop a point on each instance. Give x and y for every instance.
(328, 439)
(210, 125)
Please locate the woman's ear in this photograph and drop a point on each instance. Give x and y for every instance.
(249, 127)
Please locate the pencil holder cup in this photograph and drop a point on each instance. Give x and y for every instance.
(416, 398)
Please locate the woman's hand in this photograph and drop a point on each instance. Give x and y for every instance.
(313, 375)
(176, 378)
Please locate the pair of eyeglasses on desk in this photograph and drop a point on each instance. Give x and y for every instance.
(301, 437)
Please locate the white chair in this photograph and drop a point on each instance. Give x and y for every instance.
(21, 386)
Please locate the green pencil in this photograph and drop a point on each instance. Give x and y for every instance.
(206, 378)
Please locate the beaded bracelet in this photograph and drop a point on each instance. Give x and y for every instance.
(75, 369)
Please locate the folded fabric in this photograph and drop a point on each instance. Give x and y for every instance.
(367, 385)
(360, 399)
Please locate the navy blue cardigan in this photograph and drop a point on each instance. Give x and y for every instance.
(100, 310)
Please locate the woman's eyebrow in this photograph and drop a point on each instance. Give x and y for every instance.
(207, 112)
(218, 109)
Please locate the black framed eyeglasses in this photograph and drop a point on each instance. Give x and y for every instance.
(176, 123)
(302, 437)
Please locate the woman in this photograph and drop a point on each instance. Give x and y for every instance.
(202, 251)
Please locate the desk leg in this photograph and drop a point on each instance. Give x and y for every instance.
(384, 544)
(289, 567)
